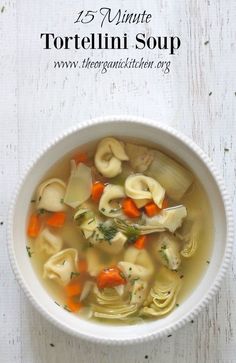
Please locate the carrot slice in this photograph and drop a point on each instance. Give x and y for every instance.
(151, 209)
(110, 277)
(81, 157)
(82, 266)
(140, 243)
(34, 226)
(73, 288)
(73, 305)
(56, 219)
(165, 203)
(97, 190)
(130, 209)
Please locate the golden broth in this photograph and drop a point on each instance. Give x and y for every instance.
(191, 269)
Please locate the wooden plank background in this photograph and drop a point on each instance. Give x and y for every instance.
(38, 102)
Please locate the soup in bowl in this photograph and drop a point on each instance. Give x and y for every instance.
(125, 235)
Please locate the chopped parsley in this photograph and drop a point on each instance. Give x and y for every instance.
(103, 209)
(208, 262)
(42, 211)
(132, 233)
(91, 221)
(163, 254)
(66, 308)
(33, 201)
(52, 345)
(62, 200)
(74, 274)
(28, 249)
(108, 232)
(3, 8)
(57, 303)
(122, 275)
(177, 305)
(133, 280)
(206, 42)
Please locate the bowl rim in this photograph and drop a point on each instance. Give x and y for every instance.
(229, 229)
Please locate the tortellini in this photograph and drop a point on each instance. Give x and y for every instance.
(138, 292)
(166, 249)
(139, 186)
(109, 156)
(50, 195)
(60, 266)
(48, 242)
(139, 257)
(110, 195)
(113, 246)
(137, 264)
(140, 157)
(96, 262)
(133, 271)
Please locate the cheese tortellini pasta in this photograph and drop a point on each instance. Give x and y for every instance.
(109, 156)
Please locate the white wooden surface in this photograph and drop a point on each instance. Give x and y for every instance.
(38, 102)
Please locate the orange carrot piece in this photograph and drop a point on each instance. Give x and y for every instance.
(130, 209)
(82, 266)
(140, 243)
(165, 203)
(81, 157)
(110, 277)
(34, 226)
(151, 209)
(73, 288)
(97, 190)
(56, 219)
(73, 305)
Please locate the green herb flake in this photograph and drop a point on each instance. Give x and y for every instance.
(28, 249)
(74, 274)
(66, 308)
(206, 42)
(33, 201)
(210, 93)
(108, 232)
(208, 262)
(122, 275)
(2, 9)
(132, 233)
(62, 200)
(57, 303)
(103, 209)
(177, 305)
(226, 149)
(163, 255)
(91, 221)
(42, 211)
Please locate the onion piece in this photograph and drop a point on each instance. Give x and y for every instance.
(174, 178)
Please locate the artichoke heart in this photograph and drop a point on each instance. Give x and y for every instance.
(162, 297)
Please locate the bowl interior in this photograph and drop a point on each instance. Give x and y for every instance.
(22, 265)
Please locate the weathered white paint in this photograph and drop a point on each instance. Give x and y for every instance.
(37, 103)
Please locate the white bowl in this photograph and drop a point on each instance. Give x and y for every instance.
(185, 150)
